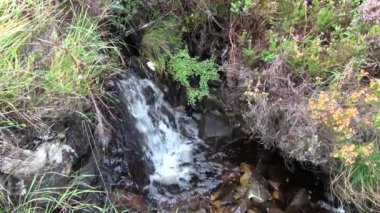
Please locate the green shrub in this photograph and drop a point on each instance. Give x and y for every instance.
(239, 6)
(319, 39)
(183, 67)
(162, 45)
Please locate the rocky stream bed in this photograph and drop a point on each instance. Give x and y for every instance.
(153, 154)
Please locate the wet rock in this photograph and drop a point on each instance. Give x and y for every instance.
(126, 200)
(75, 133)
(228, 199)
(149, 95)
(197, 117)
(252, 187)
(274, 210)
(270, 206)
(170, 115)
(225, 196)
(329, 208)
(89, 172)
(215, 126)
(231, 177)
(223, 193)
(299, 202)
(242, 207)
(275, 185)
(257, 193)
(213, 102)
(184, 123)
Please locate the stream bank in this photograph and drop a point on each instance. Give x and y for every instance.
(148, 139)
(234, 172)
(215, 165)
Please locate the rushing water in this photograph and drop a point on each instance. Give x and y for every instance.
(169, 139)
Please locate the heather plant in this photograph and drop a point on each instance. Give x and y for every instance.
(319, 37)
(353, 118)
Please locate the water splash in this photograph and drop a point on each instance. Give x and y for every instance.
(170, 140)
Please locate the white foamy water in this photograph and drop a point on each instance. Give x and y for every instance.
(162, 129)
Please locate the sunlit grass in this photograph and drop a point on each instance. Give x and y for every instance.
(70, 198)
(49, 51)
(360, 182)
(18, 28)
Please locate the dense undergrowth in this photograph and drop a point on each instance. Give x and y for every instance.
(307, 71)
(304, 75)
(53, 55)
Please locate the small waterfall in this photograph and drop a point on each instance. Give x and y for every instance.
(169, 139)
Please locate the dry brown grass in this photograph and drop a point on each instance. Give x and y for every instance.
(277, 111)
(365, 198)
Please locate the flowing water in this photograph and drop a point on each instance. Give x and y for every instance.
(159, 156)
(182, 167)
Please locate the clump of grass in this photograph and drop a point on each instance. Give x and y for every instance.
(70, 198)
(359, 183)
(161, 40)
(18, 28)
(49, 51)
(79, 60)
